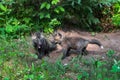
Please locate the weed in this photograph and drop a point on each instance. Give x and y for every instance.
(17, 62)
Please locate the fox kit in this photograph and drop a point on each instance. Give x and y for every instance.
(42, 45)
(77, 44)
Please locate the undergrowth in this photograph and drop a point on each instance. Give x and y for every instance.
(21, 17)
(17, 62)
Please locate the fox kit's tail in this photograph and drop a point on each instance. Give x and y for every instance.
(94, 41)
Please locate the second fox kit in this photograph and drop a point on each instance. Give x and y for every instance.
(42, 45)
(77, 44)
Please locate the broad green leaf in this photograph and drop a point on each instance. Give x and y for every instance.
(79, 77)
(110, 52)
(42, 15)
(33, 67)
(61, 9)
(43, 5)
(9, 28)
(2, 7)
(6, 78)
(96, 21)
(47, 15)
(51, 30)
(15, 22)
(27, 20)
(47, 6)
(90, 9)
(2, 13)
(54, 22)
(2, 18)
(54, 2)
(99, 76)
(116, 66)
(56, 10)
(79, 1)
(73, 3)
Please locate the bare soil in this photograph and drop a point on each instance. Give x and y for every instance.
(109, 41)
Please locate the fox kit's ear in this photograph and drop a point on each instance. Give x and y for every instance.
(33, 36)
(59, 34)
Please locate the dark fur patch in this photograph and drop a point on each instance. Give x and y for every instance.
(42, 45)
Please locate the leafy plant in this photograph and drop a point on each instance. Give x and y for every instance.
(87, 13)
(20, 17)
(47, 10)
(110, 53)
(116, 15)
(116, 66)
(52, 24)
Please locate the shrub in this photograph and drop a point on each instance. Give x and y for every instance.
(116, 15)
(21, 17)
(88, 13)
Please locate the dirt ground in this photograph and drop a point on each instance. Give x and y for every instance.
(109, 41)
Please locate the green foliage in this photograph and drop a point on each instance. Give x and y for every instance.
(18, 63)
(116, 66)
(50, 27)
(83, 11)
(47, 10)
(116, 15)
(45, 5)
(10, 23)
(20, 17)
(87, 13)
(54, 2)
(110, 53)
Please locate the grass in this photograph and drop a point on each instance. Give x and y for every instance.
(17, 62)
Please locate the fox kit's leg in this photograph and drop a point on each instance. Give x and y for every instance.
(84, 51)
(40, 55)
(65, 51)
